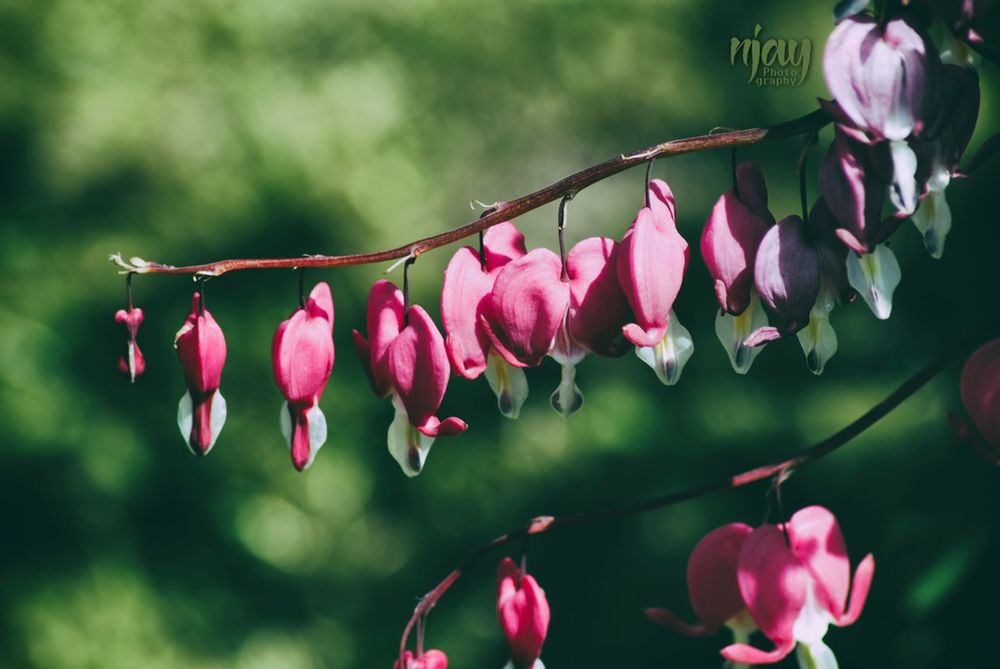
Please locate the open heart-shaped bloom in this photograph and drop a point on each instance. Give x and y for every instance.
(523, 612)
(981, 391)
(883, 77)
(535, 311)
(468, 283)
(430, 659)
(729, 241)
(404, 355)
(795, 580)
(713, 586)
(302, 355)
(201, 347)
(131, 363)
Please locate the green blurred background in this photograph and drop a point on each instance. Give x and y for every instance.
(187, 132)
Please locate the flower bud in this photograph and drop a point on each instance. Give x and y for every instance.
(523, 612)
(981, 391)
(131, 363)
(302, 354)
(431, 659)
(201, 347)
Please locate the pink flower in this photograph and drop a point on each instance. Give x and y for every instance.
(523, 613)
(884, 78)
(534, 311)
(201, 347)
(432, 659)
(731, 236)
(651, 266)
(713, 586)
(465, 296)
(405, 356)
(131, 363)
(981, 390)
(302, 354)
(795, 580)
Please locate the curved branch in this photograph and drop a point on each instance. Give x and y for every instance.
(502, 211)
(542, 524)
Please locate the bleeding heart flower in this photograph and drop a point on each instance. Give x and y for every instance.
(523, 612)
(535, 311)
(201, 347)
(795, 580)
(468, 283)
(431, 659)
(405, 356)
(981, 391)
(131, 363)
(729, 242)
(884, 78)
(787, 276)
(938, 157)
(713, 587)
(302, 354)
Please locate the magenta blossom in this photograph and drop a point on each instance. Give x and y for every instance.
(201, 347)
(465, 296)
(651, 267)
(729, 242)
(713, 586)
(795, 580)
(405, 357)
(431, 659)
(884, 78)
(981, 391)
(302, 354)
(523, 612)
(131, 363)
(535, 311)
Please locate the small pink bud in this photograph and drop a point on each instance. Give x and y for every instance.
(981, 391)
(431, 659)
(523, 613)
(131, 363)
(201, 347)
(302, 355)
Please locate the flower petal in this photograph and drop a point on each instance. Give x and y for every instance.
(418, 366)
(463, 292)
(786, 272)
(598, 308)
(384, 320)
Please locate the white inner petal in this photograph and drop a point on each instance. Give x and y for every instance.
(407, 445)
(815, 656)
(185, 419)
(668, 357)
(875, 276)
(217, 418)
(508, 383)
(732, 331)
(811, 625)
(933, 220)
(567, 398)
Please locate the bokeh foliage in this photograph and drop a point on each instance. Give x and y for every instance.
(185, 132)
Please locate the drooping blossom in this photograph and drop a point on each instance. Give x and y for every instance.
(938, 154)
(884, 78)
(729, 242)
(981, 391)
(523, 612)
(795, 581)
(404, 356)
(465, 296)
(201, 347)
(131, 363)
(787, 276)
(961, 16)
(651, 264)
(430, 659)
(713, 587)
(854, 194)
(302, 354)
(535, 310)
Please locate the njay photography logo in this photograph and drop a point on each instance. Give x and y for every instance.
(772, 61)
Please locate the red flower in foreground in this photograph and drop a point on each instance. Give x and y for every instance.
(795, 580)
(302, 355)
(432, 659)
(981, 390)
(201, 347)
(523, 613)
(405, 357)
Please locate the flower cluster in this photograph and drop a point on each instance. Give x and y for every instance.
(789, 581)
